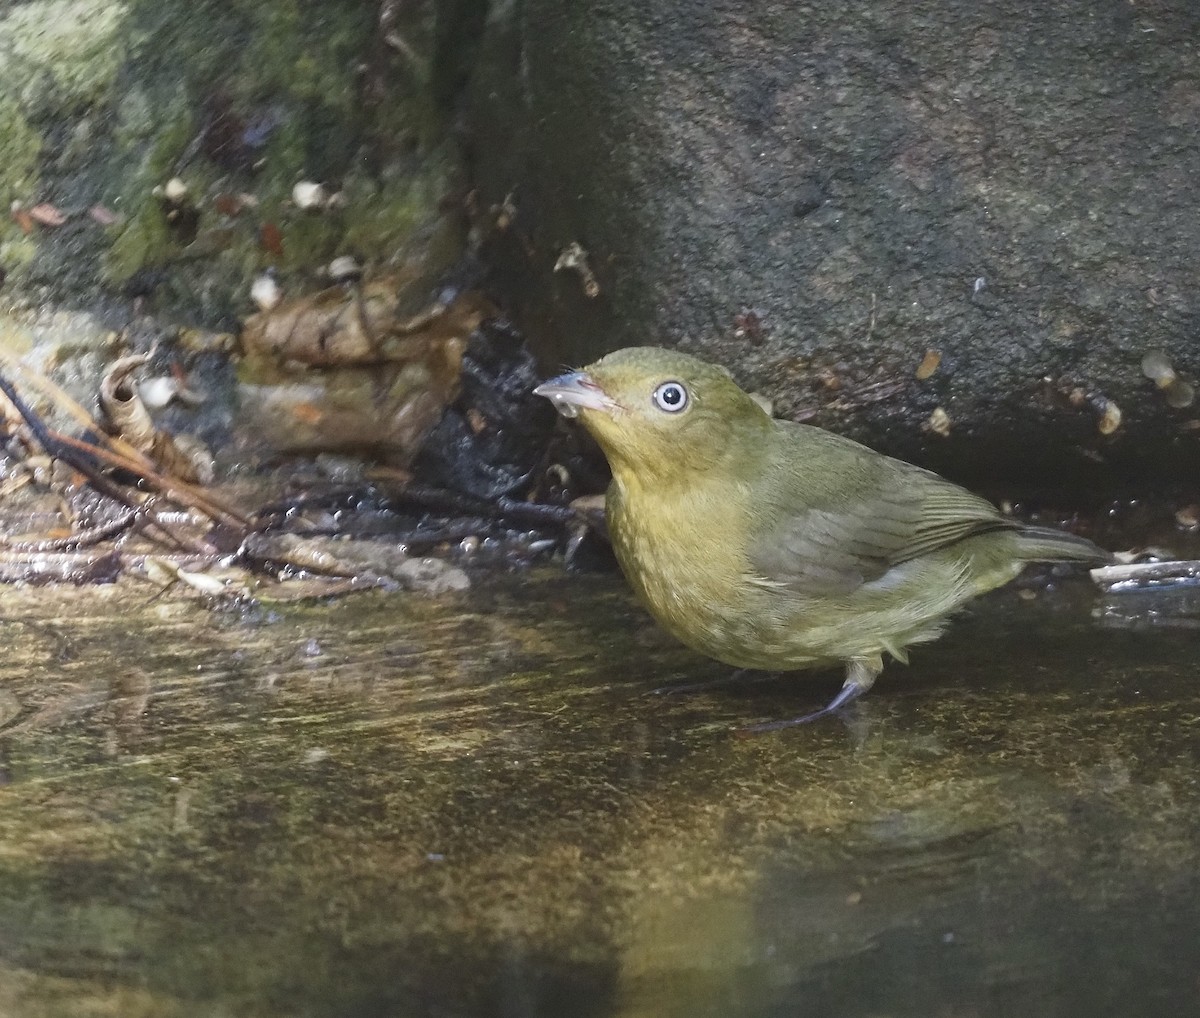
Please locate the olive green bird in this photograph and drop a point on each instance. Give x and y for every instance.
(772, 545)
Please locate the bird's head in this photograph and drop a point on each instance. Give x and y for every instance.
(659, 413)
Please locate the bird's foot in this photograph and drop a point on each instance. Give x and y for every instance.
(740, 675)
(860, 676)
(846, 696)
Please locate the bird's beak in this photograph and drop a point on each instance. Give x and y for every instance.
(573, 392)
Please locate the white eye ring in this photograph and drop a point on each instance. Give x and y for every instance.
(671, 397)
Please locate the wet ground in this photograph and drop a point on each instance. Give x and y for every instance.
(388, 806)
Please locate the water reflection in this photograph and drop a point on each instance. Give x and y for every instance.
(394, 807)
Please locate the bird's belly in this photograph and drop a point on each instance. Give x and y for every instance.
(695, 586)
(700, 592)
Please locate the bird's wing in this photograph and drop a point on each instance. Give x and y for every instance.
(829, 530)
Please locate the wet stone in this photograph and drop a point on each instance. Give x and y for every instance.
(396, 805)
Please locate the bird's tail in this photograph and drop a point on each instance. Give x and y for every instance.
(1045, 544)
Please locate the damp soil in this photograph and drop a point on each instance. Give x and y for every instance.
(485, 805)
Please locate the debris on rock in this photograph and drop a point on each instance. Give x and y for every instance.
(265, 291)
(491, 439)
(1110, 418)
(310, 196)
(46, 214)
(363, 325)
(1157, 367)
(346, 370)
(182, 456)
(1145, 575)
(939, 423)
(573, 256)
(1188, 517)
(929, 364)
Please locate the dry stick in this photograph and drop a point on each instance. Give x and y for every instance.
(82, 455)
(80, 539)
(178, 491)
(101, 483)
(56, 447)
(1146, 575)
(130, 459)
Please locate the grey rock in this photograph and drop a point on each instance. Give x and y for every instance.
(432, 576)
(850, 171)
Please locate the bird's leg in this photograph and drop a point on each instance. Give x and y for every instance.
(861, 673)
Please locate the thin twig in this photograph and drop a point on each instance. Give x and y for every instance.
(111, 448)
(1146, 575)
(79, 539)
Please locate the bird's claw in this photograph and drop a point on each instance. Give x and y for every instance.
(860, 676)
(846, 696)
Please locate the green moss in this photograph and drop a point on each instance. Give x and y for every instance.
(294, 69)
(304, 56)
(145, 239)
(17, 250)
(381, 220)
(20, 146)
(73, 42)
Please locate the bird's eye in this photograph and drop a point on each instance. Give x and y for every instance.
(671, 397)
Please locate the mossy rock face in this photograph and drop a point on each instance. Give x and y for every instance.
(819, 195)
(68, 51)
(58, 63)
(100, 103)
(21, 145)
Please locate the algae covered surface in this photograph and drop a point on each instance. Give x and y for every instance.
(386, 805)
(103, 103)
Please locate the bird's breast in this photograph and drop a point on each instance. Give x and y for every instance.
(684, 555)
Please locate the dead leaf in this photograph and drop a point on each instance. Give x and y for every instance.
(270, 237)
(339, 326)
(231, 205)
(104, 215)
(23, 219)
(307, 413)
(929, 364)
(47, 215)
(182, 456)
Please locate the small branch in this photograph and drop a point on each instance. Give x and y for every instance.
(1146, 575)
(80, 539)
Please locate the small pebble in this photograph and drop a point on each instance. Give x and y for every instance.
(344, 269)
(1158, 369)
(1110, 419)
(309, 196)
(265, 291)
(157, 392)
(939, 422)
(175, 190)
(1180, 394)
(432, 576)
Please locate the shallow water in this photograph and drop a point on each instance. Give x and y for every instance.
(390, 806)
